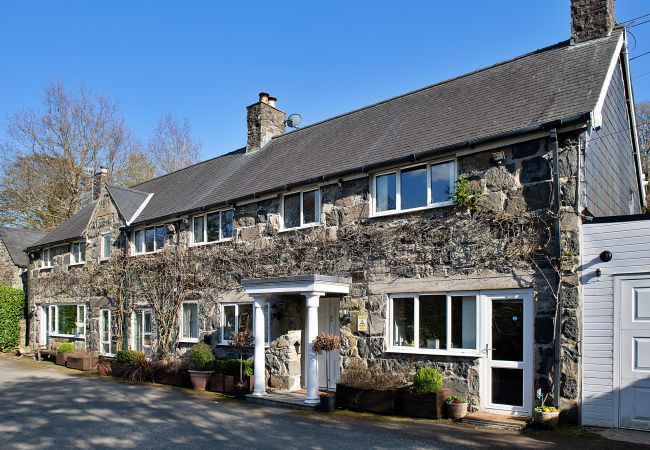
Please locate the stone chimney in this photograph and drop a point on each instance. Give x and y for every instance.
(591, 19)
(264, 121)
(99, 181)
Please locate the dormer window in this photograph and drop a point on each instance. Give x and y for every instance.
(301, 209)
(415, 187)
(78, 253)
(213, 227)
(149, 239)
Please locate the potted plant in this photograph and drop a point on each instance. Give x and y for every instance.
(432, 336)
(200, 359)
(123, 362)
(426, 397)
(456, 407)
(238, 342)
(62, 353)
(545, 416)
(327, 343)
(81, 359)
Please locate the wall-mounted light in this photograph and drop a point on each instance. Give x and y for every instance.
(498, 158)
(605, 256)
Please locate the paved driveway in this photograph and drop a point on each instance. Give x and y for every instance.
(44, 406)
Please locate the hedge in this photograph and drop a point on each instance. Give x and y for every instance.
(12, 302)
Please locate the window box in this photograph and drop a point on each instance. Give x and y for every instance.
(367, 400)
(85, 362)
(428, 406)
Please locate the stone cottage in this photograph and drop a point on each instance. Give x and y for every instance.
(13, 259)
(438, 228)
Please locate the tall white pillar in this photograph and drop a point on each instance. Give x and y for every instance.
(259, 358)
(311, 330)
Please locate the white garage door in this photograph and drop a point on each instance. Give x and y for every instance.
(635, 354)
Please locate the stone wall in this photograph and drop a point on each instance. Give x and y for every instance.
(10, 274)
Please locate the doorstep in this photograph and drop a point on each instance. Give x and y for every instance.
(498, 421)
(285, 399)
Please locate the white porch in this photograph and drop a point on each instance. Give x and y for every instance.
(312, 288)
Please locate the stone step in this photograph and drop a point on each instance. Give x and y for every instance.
(288, 400)
(497, 421)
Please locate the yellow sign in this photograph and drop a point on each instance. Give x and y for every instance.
(362, 323)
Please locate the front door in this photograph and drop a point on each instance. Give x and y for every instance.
(328, 322)
(508, 354)
(635, 354)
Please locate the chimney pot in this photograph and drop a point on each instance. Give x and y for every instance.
(264, 97)
(272, 101)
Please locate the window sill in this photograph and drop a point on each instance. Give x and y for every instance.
(146, 253)
(429, 351)
(77, 264)
(227, 344)
(75, 336)
(302, 227)
(393, 212)
(188, 340)
(201, 244)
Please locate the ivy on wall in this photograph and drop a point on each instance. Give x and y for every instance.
(12, 302)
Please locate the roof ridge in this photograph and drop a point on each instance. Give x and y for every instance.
(27, 230)
(126, 188)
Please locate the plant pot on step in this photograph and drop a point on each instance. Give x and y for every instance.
(200, 379)
(546, 420)
(327, 402)
(456, 411)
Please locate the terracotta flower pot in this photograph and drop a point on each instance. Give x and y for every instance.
(546, 419)
(200, 379)
(456, 411)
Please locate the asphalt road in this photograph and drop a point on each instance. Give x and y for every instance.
(43, 406)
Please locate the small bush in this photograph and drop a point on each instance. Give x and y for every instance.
(359, 376)
(427, 381)
(65, 347)
(12, 302)
(129, 356)
(231, 367)
(200, 357)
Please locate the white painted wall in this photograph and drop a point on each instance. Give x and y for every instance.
(629, 243)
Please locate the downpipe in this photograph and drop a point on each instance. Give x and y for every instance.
(558, 255)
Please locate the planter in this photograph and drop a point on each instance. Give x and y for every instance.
(368, 400)
(180, 378)
(546, 419)
(119, 370)
(216, 383)
(241, 389)
(228, 384)
(61, 359)
(327, 403)
(456, 411)
(200, 379)
(82, 362)
(429, 406)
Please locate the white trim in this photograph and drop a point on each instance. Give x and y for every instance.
(597, 113)
(102, 248)
(205, 227)
(181, 337)
(139, 210)
(301, 194)
(54, 332)
(144, 240)
(102, 338)
(134, 321)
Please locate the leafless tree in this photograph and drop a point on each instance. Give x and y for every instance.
(172, 146)
(643, 127)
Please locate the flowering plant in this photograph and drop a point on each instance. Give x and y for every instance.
(542, 406)
(453, 400)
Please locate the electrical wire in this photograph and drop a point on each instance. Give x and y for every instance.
(642, 54)
(635, 18)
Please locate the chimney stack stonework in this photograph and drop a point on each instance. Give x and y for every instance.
(99, 181)
(591, 19)
(264, 121)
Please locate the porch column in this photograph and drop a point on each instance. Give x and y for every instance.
(259, 358)
(311, 330)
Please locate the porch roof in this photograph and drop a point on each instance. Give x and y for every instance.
(297, 284)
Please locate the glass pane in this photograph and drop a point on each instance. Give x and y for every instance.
(82, 252)
(442, 178)
(105, 325)
(138, 331)
(149, 239)
(310, 207)
(386, 192)
(403, 328)
(114, 333)
(73, 253)
(147, 322)
(81, 319)
(52, 319)
(246, 318)
(228, 321)
(213, 227)
(67, 319)
(433, 321)
(106, 246)
(190, 321)
(463, 322)
(508, 386)
(198, 229)
(292, 210)
(226, 224)
(413, 187)
(508, 330)
(161, 235)
(139, 241)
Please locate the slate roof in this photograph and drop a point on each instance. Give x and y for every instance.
(16, 240)
(73, 228)
(127, 200)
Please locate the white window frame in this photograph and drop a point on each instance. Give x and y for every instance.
(267, 325)
(47, 261)
(142, 251)
(205, 227)
(449, 351)
(134, 321)
(302, 222)
(198, 327)
(398, 200)
(54, 313)
(77, 257)
(103, 247)
(106, 339)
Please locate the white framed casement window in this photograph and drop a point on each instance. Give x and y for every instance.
(300, 209)
(426, 185)
(236, 317)
(434, 323)
(106, 246)
(47, 258)
(213, 227)
(149, 239)
(77, 253)
(190, 322)
(107, 333)
(67, 320)
(142, 336)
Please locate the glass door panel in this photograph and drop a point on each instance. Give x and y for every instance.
(508, 330)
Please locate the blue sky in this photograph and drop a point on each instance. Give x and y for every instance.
(207, 60)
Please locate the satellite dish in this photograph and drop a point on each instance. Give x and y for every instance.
(293, 120)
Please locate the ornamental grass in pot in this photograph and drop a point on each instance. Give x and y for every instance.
(327, 343)
(62, 352)
(427, 395)
(200, 361)
(238, 342)
(456, 407)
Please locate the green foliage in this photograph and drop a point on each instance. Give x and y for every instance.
(427, 381)
(200, 357)
(65, 347)
(129, 356)
(465, 195)
(12, 302)
(231, 367)
(68, 319)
